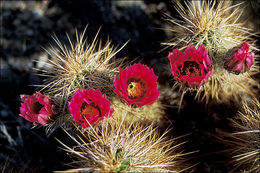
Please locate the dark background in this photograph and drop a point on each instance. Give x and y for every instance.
(27, 27)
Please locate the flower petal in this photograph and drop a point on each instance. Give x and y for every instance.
(100, 107)
(192, 67)
(143, 85)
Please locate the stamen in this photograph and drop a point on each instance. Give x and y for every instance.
(190, 68)
(136, 88)
(88, 110)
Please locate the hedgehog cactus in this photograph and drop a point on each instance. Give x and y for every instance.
(83, 65)
(228, 42)
(117, 112)
(116, 145)
(243, 143)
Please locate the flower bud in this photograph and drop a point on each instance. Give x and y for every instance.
(238, 60)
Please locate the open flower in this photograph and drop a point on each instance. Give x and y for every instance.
(238, 59)
(193, 67)
(137, 85)
(89, 106)
(36, 108)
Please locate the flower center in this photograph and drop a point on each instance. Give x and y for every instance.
(136, 88)
(190, 68)
(88, 110)
(37, 107)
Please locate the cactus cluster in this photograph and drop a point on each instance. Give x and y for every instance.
(112, 112)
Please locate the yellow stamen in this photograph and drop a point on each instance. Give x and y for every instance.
(136, 90)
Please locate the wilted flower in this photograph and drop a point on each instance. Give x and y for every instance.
(238, 59)
(137, 85)
(193, 67)
(36, 108)
(89, 106)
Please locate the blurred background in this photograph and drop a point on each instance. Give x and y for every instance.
(28, 26)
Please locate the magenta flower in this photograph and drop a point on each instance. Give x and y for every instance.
(37, 108)
(191, 68)
(89, 106)
(238, 59)
(137, 85)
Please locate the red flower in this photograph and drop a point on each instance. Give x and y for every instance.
(89, 105)
(193, 67)
(137, 85)
(238, 59)
(36, 108)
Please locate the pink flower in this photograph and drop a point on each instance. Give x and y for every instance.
(89, 106)
(137, 85)
(193, 67)
(238, 59)
(36, 108)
